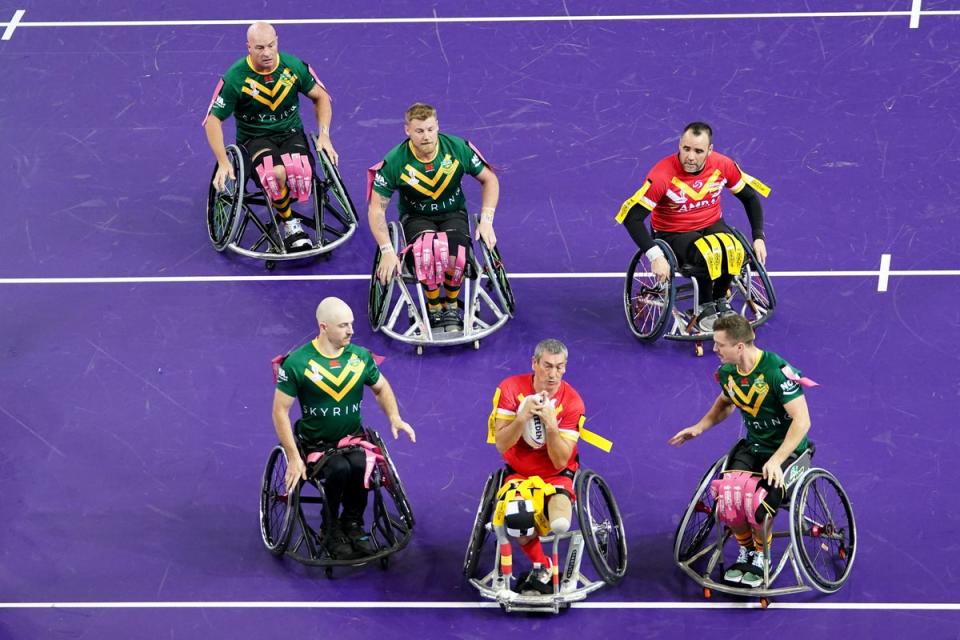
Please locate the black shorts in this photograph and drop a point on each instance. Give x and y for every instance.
(743, 458)
(275, 144)
(454, 224)
(686, 251)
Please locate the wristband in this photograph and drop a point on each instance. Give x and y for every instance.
(486, 214)
(653, 253)
(386, 248)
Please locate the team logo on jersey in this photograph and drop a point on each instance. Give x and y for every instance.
(751, 399)
(412, 179)
(219, 102)
(282, 375)
(446, 162)
(335, 385)
(379, 180)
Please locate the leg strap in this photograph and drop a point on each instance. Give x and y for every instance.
(267, 178)
(299, 175)
(738, 496)
(714, 246)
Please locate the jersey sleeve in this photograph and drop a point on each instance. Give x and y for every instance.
(731, 172)
(572, 417)
(287, 378)
(473, 163)
(785, 388)
(385, 180)
(371, 372)
(224, 101)
(652, 190)
(506, 402)
(306, 78)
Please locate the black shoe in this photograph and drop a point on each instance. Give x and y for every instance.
(707, 315)
(359, 539)
(723, 307)
(450, 317)
(294, 237)
(539, 582)
(338, 545)
(436, 320)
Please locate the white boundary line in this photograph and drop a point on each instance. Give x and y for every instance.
(833, 606)
(884, 278)
(883, 274)
(915, 14)
(12, 25)
(487, 19)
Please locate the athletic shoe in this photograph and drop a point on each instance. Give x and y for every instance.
(753, 576)
(707, 314)
(538, 582)
(294, 236)
(723, 307)
(436, 320)
(338, 545)
(736, 571)
(360, 540)
(451, 320)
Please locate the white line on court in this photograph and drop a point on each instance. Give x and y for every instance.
(12, 25)
(834, 606)
(884, 278)
(513, 276)
(488, 19)
(915, 14)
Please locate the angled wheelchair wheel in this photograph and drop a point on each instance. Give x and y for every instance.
(698, 520)
(380, 295)
(341, 205)
(497, 278)
(602, 527)
(277, 508)
(823, 530)
(647, 302)
(392, 482)
(753, 284)
(224, 207)
(480, 534)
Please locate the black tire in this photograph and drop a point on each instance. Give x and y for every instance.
(337, 188)
(378, 302)
(392, 482)
(647, 302)
(277, 508)
(224, 207)
(699, 518)
(479, 534)
(601, 526)
(497, 278)
(823, 530)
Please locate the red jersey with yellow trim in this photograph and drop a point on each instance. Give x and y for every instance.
(523, 458)
(681, 201)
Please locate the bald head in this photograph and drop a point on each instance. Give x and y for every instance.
(262, 46)
(332, 311)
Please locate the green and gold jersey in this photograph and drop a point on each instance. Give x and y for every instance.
(760, 395)
(428, 188)
(330, 390)
(263, 103)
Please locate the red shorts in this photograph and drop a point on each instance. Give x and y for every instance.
(561, 482)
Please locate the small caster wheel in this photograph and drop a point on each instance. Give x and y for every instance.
(698, 349)
(707, 593)
(385, 563)
(271, 265)
(764, 603)
(419, 350)
(476, 345)
(328, 572)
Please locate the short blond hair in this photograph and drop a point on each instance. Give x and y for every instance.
(419, 111)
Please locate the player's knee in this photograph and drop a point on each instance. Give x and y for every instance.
(560, 525)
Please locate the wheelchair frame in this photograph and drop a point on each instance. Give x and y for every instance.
(800, 477)
(229, 217)
(571, 584)
(413, 327)
(289, 533)
(644, 297)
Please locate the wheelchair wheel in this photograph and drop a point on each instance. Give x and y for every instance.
(392, 482)
(224, 207)
(698, 520)
(497, 278)
(479, 534)
(823, 530)
(378, 302)
(759, 299)
(347, 213)
(602, 527)
(277, 508)
(647, 302)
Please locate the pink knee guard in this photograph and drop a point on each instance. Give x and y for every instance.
(267, 178)
(738, 498)
(457, 264)
(299, 175)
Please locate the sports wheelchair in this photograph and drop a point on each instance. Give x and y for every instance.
(399, 308)
(247, 223)
(819, 546)
(601, 532)
(286, 530)
(669, 309)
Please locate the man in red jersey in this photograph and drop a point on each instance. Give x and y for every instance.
(682, 192)
(537, 419)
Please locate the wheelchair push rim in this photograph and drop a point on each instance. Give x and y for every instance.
(480, 533)
(602, 527)
(277, 507)
(332, 176)
(497, 278)
(823, 530)
(224, 207)
(380, 295)
(699, 518)
(647, 302)
(393, 483)
(754, 284)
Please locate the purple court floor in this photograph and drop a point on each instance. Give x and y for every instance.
(135, 413)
